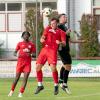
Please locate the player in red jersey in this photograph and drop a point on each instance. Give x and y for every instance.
(51, 38)
(25, 49)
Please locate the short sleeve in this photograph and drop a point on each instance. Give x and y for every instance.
(17, 47)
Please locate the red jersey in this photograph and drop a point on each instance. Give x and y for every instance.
(52, 35)
(25, 49)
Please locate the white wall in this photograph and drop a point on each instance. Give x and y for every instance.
(13, 39)
(3, 39)
(28, 0)
(81, 7)
(10, 39)
(61, 6)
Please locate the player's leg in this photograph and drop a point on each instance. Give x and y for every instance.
(64, 72)
(52, 60)
(39, 78)
(67, 65)
(65, 78)
(24, 83)
(14, 84)
(39, 64)
(61, 75)
(55, 78)
(62, 56)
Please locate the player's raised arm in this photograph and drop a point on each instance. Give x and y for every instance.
(44, 35)
(77, 41)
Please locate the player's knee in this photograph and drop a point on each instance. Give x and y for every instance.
(17, 77)
(54, 69)
(38, 67)
(67, 67)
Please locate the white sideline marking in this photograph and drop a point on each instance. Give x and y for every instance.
(77, 96)
(87, 95)
(47, 98)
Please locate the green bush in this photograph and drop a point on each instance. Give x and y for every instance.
(89, 32)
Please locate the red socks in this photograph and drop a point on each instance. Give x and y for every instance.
(55, 77)
(39, 76)
(13, 87)
(22, 90)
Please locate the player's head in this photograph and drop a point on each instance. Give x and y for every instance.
(53, 23)
(25, 35)
(62, 18)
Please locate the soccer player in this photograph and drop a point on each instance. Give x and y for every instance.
(51, 38)
(25, 49)
(64, 53)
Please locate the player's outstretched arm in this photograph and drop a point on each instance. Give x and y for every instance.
(77, 41)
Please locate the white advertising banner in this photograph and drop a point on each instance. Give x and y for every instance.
(85, 70)
(80, 69)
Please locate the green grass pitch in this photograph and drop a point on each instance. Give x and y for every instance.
(82, 89)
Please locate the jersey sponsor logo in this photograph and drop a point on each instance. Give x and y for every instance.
(23, 45)
(46, 45)
(29, 46)
(52, 30)
(26, 50)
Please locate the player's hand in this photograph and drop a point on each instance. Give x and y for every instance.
(15, 53)
(58, 42)
(42, 40)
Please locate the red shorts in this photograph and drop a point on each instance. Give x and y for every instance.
(47, 54)
(23, 65)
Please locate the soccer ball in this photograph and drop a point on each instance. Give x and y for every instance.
(47, 11)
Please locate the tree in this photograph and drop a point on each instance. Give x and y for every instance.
(30, 25)
(89, 32)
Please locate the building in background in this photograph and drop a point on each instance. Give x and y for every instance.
(74, 10)
(12, 19)
(96, 12)
(12, 16)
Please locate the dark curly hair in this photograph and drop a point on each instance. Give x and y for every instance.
(25, 32)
